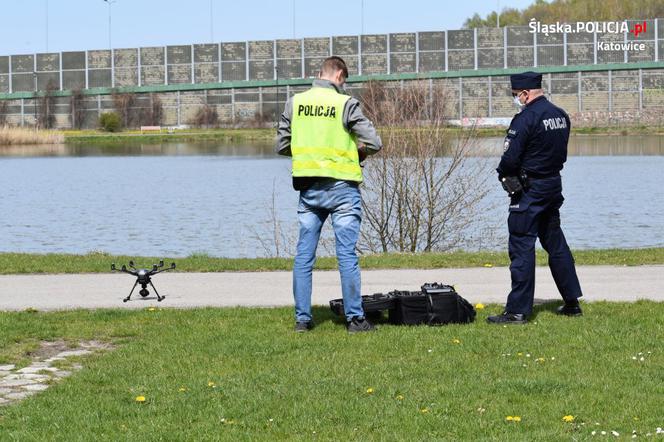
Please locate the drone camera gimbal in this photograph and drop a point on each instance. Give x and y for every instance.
(143, 277)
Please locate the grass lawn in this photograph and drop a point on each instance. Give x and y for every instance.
(17, 263)
(247, 376)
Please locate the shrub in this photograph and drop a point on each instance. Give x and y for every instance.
(110, 122)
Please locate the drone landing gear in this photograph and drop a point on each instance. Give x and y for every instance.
(144, 291)
(143, 277)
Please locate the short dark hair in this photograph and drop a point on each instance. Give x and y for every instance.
(333, 64)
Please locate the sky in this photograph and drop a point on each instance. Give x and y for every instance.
(83, 24)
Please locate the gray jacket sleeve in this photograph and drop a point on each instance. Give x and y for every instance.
(284, 130)
(357, 123)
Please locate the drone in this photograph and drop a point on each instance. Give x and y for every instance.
(143, 277)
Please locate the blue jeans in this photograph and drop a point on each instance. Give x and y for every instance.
(340, 199)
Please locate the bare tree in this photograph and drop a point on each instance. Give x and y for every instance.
(154, 114)
(77, 109)
(46, 117)
(3, 113)
(425, 190)
(123, 104)
(206, 116)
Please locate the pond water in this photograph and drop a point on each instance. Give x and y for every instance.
(178, 199)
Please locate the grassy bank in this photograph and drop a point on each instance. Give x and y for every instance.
(267, 135)
(243, 374)
(20, 263)
(11, 136)
(178, 136)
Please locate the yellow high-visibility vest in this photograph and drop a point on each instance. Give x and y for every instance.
(320, 145)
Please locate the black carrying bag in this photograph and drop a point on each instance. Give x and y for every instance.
(377, 302)
(410, 308)
(435, 304)
(446, 306)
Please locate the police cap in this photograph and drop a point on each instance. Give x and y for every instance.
(526, 80)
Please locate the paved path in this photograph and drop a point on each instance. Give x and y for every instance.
(486, 285)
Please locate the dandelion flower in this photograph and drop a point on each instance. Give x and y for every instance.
(399, 397)
(487, 265)
(479, 306)
(151, 309)
(140, 399)
(424, 410)
(182, 389)
(517, 418)
(211, 384)
(568, 418)
(370, 390)
(509, 418)
(519, 354)
(456, 341)
(539, 360)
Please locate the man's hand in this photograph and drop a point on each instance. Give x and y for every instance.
(512, 185)
(362, 152)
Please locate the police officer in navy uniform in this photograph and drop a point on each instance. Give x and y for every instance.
(535, 150)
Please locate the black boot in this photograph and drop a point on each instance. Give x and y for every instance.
(507, 318)
(571, 308)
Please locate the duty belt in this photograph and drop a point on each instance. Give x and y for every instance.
(538, 176)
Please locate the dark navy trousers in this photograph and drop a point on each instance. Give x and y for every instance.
(535, 214)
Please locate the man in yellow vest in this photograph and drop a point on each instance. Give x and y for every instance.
(326, 134)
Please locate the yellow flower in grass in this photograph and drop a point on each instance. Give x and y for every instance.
(370, 390)
(182, 389)
(539, 360)
(140, 399)
(399, 397)
(456, 341)
(488, 265)
(424, 410)
(568, 418)
(211, 384)
(479, 306)
(152, 309)
(513, 418)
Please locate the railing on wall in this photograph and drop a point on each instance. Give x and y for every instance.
(378, 54)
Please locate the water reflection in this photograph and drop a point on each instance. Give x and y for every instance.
(580, 145)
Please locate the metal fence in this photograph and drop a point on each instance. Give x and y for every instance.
(416, 52)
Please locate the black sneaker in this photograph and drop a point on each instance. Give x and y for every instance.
(570, 309)
(507, 318)
(303, 326)
(360, 324)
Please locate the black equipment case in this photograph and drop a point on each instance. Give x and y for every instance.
(435, 304)
(377, 302)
